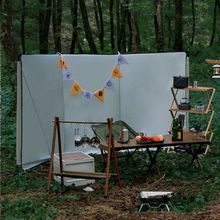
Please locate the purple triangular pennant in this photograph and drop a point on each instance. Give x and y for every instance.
(88, 95)
(109, 85)
(121, 60)
(67, 75)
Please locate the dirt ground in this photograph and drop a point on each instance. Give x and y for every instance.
(123, 204)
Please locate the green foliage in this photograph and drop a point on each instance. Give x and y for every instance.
(28, 209)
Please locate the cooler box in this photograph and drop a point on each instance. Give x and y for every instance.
(74, 161)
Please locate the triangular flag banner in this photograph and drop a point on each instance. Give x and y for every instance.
(76, 88)
(62, 63)
(87, 95)
(67, 75)
(116, 73)
(100, 94)
(121, 60)
(109, 85)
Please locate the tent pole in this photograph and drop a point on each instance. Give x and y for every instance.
(52, 153)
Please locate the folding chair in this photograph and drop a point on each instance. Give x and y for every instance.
(101, 131)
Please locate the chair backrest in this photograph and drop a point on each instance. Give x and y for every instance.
(101, 131)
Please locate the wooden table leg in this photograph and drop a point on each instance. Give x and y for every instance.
(107, 174)
(116, 164)
(153, 161)
(195, 153)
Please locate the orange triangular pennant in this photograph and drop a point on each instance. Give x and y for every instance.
(116, 73)
(76, 88)
(62, 63)
(100, 94)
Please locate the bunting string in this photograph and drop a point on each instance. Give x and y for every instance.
(76, 88)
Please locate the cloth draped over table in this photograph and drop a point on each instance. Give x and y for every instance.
(99, 93)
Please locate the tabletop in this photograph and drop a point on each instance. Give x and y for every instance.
(189, 138)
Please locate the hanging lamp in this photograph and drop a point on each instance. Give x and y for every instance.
(216, 68)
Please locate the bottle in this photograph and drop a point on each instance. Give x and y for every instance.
(179, 132)
(175, 130)
(124, 136)
(77, 138)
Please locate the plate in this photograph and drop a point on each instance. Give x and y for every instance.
(144, 142)
(149, 142)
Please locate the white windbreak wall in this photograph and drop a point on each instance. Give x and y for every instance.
(42, 99)
(141, 98)
(145, 90)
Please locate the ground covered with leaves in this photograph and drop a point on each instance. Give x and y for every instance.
(195, 192)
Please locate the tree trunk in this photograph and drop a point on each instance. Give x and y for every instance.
(8, 40)
(217, 4)
(22, 33)
(122, 25)
(101, 33)
(57, 21)
(87, 29)
(134, 32)
(112, 32)
(193, 22)
(10, 49)
(130, 37)
(44, 24)
(169, 29)
(178, 46)
(118, 21)
(99, 21)
(96, 15)
(74, 9)
(158, 22)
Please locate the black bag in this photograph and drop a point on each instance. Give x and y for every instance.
(180, 81)
(184, 104)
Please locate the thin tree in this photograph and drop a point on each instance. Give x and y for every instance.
(7, 39)
(57, 22)
(111, 16)
(10, 47)
(87, 28)
(217, 4)
(134, 37)
(74, 9)
(193, 22)
(122, 36)
(22, 33)
(99, 21)
(75, 43)
(44, 24)
(169, 29)
(118, 22)
(158, 23)
(178, 45)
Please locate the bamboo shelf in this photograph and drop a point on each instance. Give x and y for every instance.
(208, 111)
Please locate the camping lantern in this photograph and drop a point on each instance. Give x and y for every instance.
(216, 71)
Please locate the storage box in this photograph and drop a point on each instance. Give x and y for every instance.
(74, 161)
(180, 81)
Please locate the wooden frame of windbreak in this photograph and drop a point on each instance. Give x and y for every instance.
(85, 175)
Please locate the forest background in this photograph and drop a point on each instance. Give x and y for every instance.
(104, 27)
